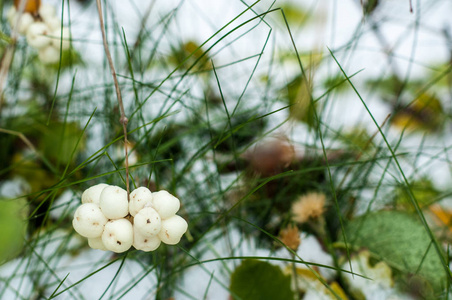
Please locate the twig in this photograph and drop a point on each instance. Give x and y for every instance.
(8, 55)
(143, 25)
(21, 136)
(362, 151)
(123, 119)
(411, 6)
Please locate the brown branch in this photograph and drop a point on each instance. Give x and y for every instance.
(143, 26)
(22, 137)
(123, 119)
(8, 55)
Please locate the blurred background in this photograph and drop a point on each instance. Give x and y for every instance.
(304, 139)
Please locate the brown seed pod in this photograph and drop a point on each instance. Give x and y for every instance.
(270, 157)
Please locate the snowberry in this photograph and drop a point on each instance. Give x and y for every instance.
(53, 24)
(144, 243)
(96, 243)
(24, 23)
(172, 230)
(37, 35)
(89, 221)
(139, 198)
(11, 14)
(118, 235)
(113, 202)
(104, 218)
(64, 43)
(165, 204)
(147, 222)
(47, 11)
(49, 55)
(92, 194)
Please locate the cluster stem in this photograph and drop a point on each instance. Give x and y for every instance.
(123, 119)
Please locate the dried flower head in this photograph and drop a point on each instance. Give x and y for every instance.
(290, 236)
(311, 205)
(271, 156)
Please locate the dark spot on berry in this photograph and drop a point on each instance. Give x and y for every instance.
(148, 221)
(145, 241)
(119, 243)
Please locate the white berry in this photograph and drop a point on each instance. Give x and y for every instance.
(165, 204)
(89, 221)
(147, 222)
(49, 55)
(92, 194)
(11, 14)
(118, 235)
(113, 202)
(141, 242)
(53, 24)
(24, 23)
(47, 11)
(37, 35)
(172, 230)
(139, 198)
(66, 38)
(64, 43)
(96, 243)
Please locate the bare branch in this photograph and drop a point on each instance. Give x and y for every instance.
(8, 55)
(123, 119)
(22, 137)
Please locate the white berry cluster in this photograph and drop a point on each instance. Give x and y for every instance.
(111, 222)
(43, 31)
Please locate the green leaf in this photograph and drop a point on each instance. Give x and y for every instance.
(189, 53)
(369, 6)
(36, 175)
(59, 141)
(69, 58)
(388, 86)
(258, 280)
(357, 139)
(423, 190)
(295, 14)
(13, 226)
(336, 83)
(400, 240)
(298, 96)
(440, 75)
(4, 38)
(424, 113)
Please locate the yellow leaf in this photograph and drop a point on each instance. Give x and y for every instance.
(424, 113)
(31, 6)
(442, 216)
